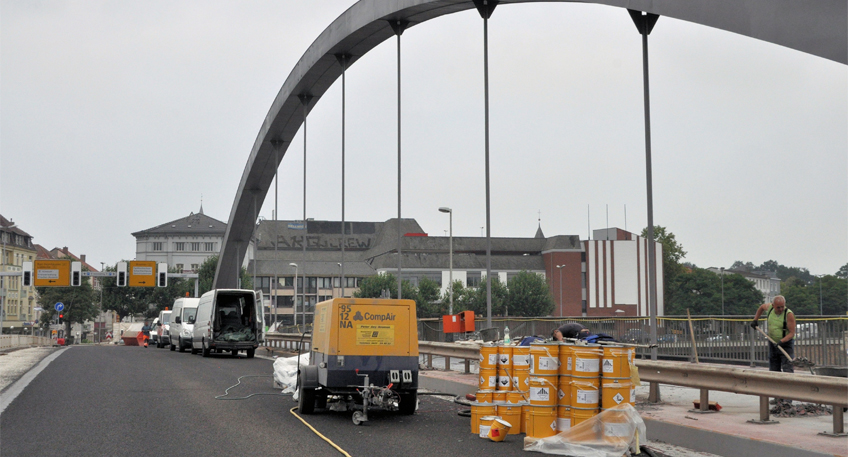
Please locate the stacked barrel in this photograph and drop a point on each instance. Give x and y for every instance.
(550, 387)
(503, 370)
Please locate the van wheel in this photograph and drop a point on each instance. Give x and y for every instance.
(307, 400)
(173, 347)
(235, 352)
(250, 353)
(206, 351)
(182, 348)
(193, 350)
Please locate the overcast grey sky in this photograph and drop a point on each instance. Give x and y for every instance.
(116, 116)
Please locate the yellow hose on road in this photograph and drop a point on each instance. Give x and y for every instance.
(319, 433)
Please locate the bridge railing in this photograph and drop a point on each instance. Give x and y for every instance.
(22, 341)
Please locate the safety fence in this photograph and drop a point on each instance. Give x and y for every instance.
(22, 341)
(719, 339)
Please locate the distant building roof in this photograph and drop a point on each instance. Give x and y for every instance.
(193, 224)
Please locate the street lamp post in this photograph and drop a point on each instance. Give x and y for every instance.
(100, 311)
(341, 285)
(722, 290)
(294, 286)
(821, 302)
(450, 256)
(559, 267)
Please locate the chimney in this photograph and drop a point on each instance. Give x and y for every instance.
(82, 258)
(65, 250)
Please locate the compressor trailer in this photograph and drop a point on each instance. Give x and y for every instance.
(364, 353)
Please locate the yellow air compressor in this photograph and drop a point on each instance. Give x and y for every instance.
(364, 353)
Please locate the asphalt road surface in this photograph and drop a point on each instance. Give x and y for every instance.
(119, 400)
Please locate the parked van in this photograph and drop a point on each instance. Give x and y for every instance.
(163, 331)
(228, 320)
(182, 323)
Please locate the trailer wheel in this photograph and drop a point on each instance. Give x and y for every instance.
(235, 352)
(408, 402)
(321, 399)
(307, 400)
(358, 418)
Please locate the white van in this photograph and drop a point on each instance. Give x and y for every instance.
(182, 323)
(163, 331)
(228, 320)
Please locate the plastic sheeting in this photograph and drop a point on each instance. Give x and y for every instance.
(609, 434)
(285, 372)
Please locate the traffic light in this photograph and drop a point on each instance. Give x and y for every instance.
(61, 316)
(76, 274)
(162, 275)
(27, 274)
(122, 274)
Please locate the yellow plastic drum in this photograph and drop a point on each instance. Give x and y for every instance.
(564, 391)
(544, 359)
(587, 361)
(616, 428)
(563, 418)
(566, 354)
(485, 425)
(488, 356)
(499, 396)
(488, 379)
(504, 379)
(542, 421)
(579, 415)
(521, 378)
(521, 357)
(543, 391)
(614, 392)
(585, 393)
(516, 397)
(499, 429)
(478, 411)
(615, 362)
(511, 414)
(505, 357)
(484, 396)
(525, 416)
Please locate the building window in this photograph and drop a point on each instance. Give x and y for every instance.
(157, 246)
(194, 266)
(210, 247)
(179, 246)
(180, 267)
(325, 283)
(195, 247)
(473, 279)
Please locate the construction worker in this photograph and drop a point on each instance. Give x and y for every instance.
(571, 330)
(781, 329)
(145, 330)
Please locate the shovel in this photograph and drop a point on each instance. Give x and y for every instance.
(801, 362)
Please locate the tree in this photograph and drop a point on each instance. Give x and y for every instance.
(80, 303)
(672, 254)
(528, 294)
(146, 301)
(430, 303)
(700, 292)
(843, 272)
(373, 287)
(206, 275)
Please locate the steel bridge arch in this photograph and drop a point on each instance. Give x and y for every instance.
(817, 27)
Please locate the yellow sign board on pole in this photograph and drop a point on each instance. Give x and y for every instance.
(52, 273)
(142, 273)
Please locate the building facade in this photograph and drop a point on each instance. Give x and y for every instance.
(18, 302)
(184, 243)
(606, 276)
(766, 282)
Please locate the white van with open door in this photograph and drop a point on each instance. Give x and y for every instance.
(228, 320)
(182, 323)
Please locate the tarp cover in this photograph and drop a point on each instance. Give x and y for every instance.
(285, 371)
(609, 434)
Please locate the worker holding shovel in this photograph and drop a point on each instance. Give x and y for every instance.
(781, 331)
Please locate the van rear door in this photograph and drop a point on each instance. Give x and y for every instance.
(260, 315)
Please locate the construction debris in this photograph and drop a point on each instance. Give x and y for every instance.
(795, 409)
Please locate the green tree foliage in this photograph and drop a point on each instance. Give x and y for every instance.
(373, 287)
(672, 254)
(529, 295)
(146, 301)
(843, 272)
(430, 303)
(206, 275)
(80, 303)
(828, 293)
(699, 291)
